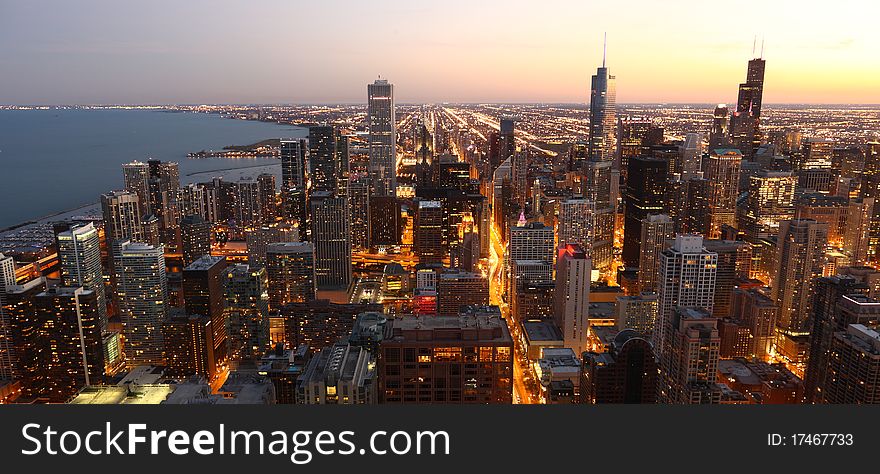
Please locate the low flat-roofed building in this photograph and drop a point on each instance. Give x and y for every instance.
(538, 335)
(342, 374)
(129, 394)
(557, 365)
(239, 389)
(283, 367)
(761, 382)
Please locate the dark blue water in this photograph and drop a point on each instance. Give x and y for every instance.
(54, 160)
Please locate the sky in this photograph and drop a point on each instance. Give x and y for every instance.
(326, 51)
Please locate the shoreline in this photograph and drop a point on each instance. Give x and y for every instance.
(196, 173)
(46, 217)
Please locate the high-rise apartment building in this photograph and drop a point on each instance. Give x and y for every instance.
(689, 361)
(195, 238)
(573, 269)
(122, 218)
(722, 172)
(854, 367)
(687, 280)
(142, 296)
(79, 253)
(136, 179)
(657, 229)
(246, 311)
(291, 271)
(575, 222)
(839, 302)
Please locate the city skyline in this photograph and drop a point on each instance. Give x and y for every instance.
(98, 54)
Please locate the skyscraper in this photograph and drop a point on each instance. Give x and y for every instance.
(69, 335)
(656, 230)
(247, 202)
(428, 228)
(142, 294)
(266, 185)
(79, 252)
(328, 159)
(734, 264)
(646, 194)
(164, 185)
(871, 189)
(204, 295)
(751, 308)
(195, 237)
(188, 345)
(601, 187)
(687, 280)
(637, 312)
(382, 130)
(689, 360)
(259, 238)
(122, 218)
(359, 204)
(573, 270)
(603, 110)
(291, 271)
(575, 222)
(332, 239)
(690, 154)
(800, 258)
(722, 172)
(247, 311)
(506, 138)
(854, 367)
(718, 134)
(839, 301)
(745, 133)
(194, 202)
(136, 178)
(532, 241)
(7, 355)
(293, 180)
(770, 200)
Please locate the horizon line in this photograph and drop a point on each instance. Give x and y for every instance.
(287, 104)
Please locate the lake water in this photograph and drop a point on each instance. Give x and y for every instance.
(54, 160)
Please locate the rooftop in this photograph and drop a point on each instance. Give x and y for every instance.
(205, 262)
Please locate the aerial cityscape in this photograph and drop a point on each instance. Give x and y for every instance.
(390, 252)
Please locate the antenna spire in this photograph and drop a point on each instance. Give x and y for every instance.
(762, 47)
(604, 48)
(754, 43)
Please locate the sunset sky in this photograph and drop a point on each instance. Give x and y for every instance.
(64, 52)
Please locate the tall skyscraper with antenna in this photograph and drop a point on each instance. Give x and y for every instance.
(745, 123)
(603, 104)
